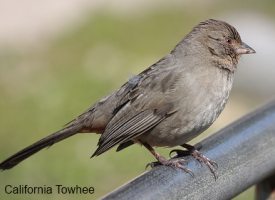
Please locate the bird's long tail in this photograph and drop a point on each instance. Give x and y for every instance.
(37, 146)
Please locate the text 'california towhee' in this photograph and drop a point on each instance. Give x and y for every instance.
(167, 104)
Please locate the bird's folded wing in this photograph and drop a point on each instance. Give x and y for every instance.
(128, 128)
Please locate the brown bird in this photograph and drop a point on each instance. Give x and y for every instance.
(166, 105)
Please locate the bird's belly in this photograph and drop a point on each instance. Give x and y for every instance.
(175, 131)
(189, 121)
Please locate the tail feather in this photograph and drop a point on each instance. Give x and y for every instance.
(37, 146)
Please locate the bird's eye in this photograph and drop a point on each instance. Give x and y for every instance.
(229, 41)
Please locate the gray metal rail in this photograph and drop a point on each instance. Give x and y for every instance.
(244, 151)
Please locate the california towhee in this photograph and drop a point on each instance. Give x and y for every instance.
(168, 104)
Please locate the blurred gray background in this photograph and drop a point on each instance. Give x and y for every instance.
(58, 57)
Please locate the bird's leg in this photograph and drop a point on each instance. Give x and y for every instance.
(177, 163)
(193, 151)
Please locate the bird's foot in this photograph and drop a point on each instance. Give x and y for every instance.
(202, 159)
(212, 165)
(178, 163)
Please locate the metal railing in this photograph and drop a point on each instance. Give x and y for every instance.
(244, 152)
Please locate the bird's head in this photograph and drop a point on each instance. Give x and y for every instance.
(221, 40)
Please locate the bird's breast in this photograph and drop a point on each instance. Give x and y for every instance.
(200, 100)
(206, 101)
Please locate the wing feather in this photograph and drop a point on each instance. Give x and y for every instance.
(144, 106)
(128, 130)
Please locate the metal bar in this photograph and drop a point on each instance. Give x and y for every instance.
(244, 151)
(265, 190)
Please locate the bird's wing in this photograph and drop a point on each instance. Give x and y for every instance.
(124, 145)
(129, 127)
(144, 106)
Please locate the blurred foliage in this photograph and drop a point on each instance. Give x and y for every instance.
(42, 89)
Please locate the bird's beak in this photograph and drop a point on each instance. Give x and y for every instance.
(244, 49)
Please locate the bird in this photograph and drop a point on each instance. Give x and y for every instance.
(166, 105)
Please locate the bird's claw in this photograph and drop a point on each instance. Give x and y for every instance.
(212, 165)
(174, 163)
(152, 164)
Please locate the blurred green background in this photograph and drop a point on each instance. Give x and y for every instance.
(46, 82)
